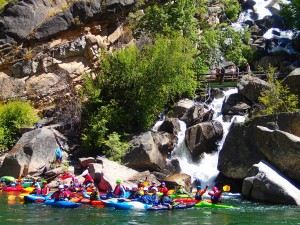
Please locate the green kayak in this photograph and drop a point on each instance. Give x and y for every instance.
(8, 178)
(175, 195)
(208, 204)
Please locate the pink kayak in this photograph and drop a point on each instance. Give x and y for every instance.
(18, 188)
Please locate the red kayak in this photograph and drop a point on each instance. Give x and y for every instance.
(18, 188)
(65, 176)
(186, 200)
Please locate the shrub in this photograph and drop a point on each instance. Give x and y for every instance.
(14, 115)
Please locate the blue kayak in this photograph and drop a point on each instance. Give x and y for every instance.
(123, 204)
(35, 198)
(62, 204)
(178, 206)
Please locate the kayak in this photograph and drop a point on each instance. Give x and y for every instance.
(8, 179)
(209, 204)
(186, 200)
(62, 204)
(119, 204)
(179, 206)
(28, 184)
(28, 189)
(35, 198)
(97, 202)
(18, 188)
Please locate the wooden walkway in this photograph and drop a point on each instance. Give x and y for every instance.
(229, 80)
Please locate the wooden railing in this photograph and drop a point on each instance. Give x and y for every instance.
(229, 77)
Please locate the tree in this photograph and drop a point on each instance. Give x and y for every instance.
(278, 97)
(291, 14)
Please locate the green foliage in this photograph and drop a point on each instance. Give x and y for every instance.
(3, 3)
(14, 115)
(114, 148)
(134, 86)
(232, 9)
(291, 14)
(278, 97)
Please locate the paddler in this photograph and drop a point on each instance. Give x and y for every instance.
(45, 189)
(154, 197)
(134, 193)
(181, 190)
(95, 194)
(119, 191)
(146, 198)
(200, 192)
(166, 200)
(215, 195)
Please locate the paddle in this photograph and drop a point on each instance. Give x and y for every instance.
(226, 188)
(145, 183)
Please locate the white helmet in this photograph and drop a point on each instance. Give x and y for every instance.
(145, 189)
(154, 188)
(60, 186)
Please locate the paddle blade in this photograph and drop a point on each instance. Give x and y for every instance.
(226, 188)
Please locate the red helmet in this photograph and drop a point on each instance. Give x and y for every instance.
(215, 188)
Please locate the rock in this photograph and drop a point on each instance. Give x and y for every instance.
(84, 162)
(182, 107)
(202, 137)
(32, 154)
(292, 81)
(265, 184)
(217, 93)
(165, 142)
(110, 171)
(197, 114)
(55, 172)
(173, 180)
(144, 154)
(241, 148)
(236, 104)
(171, 126)
(282, 149)
(11, 87)
(250, 87)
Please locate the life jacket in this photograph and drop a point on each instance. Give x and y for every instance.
(45, 190)
(119, 190)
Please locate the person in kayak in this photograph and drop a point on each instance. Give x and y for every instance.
(146, 198)
(119, 191)
(200, 192)
(2, 184)
(154, 197)
(88, 180)
(36, 190)
(59, 194)
(215, 195)
(33, 184)
(162, 185)
(95, 194)
(67, 193)
(134, 193)
(153, 184)
(45, 189)
(165, 199)
(181, 190)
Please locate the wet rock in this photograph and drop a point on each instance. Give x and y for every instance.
(173, 180)
(265, 184)
(165, 142)
(181, 107)
(171, 126)
(236, 104)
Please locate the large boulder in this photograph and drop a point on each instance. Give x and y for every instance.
(241, 147)
(173, 180)
(250, 87)
(182, 107)
(171, 126)
(265, 184)
(282, 149)
(32, 154)
(165, 142)
(197, 114)
(202, 137)
(107, 172)
(292, 81)
(144, 154)
(236, 104)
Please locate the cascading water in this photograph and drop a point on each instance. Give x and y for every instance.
(206, 170)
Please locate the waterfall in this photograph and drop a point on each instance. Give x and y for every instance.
(206, 169)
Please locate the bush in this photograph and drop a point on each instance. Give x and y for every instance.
(14, 115)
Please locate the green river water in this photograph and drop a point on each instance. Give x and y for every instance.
(14, 212)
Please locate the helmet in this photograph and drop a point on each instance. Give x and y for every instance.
(3, 180)
(180, 183)
(13, 185)
(118, 180)
(153, 182)
(36, 184)
(215, 188)
(44, 182)
(145, 189)
(60, 186)
(163, 183)
(199, 187)
(65, 185)
(154, 188)
(134, 186)
(141, 181)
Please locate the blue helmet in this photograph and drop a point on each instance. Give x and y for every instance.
(199, 187)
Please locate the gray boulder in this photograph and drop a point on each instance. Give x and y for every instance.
(173, 180)
(144, 154)
(165, 142)
(197, 114)
(292, 81)
(33, 154)
(202, 137)
(170, 125)
(250, 87)
(282, 149)
(236, 104)
(265, 184)
(181, 107)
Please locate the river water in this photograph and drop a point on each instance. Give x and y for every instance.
(12, 211)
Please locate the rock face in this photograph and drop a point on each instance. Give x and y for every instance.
(282, 149)
(264, 183)
(173, 180)
(171, 126)
(182, 107)
(292, 81)
(107, 172)
(197, 114)
(236, 104)
(245, 144)
(32, 154)
(165, 142)
(250, 87)
(144, 154)
(202, 137)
